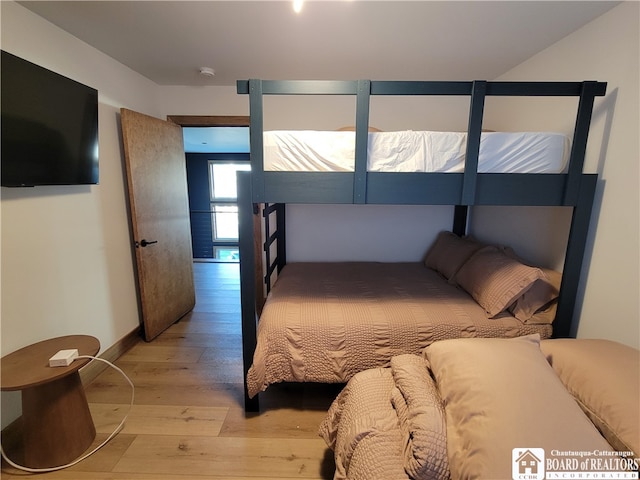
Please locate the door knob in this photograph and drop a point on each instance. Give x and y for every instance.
(144, 243)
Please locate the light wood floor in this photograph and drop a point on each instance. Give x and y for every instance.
(188, 421)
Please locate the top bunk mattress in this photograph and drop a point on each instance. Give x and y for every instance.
(415, 151)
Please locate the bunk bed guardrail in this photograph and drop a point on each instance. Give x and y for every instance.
(468, 188)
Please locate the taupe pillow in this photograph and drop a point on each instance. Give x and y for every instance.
(449, 252)
(604, 377)
(543, 291)
(539, 297)
(500, 395)
(495, 280)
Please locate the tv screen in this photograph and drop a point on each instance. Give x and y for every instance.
(49, 127)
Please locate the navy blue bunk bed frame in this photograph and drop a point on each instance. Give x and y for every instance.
(463, 190)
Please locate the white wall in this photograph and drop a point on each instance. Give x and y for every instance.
(357, 232)
(201, 101)
(392, 233)
(67, 265)
(607, 49)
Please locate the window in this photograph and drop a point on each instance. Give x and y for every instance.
(224, 219)
(222, 179)
(224, 207)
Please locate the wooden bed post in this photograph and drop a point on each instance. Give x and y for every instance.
(580, 135)
(474, 131)
(565, 324)
(247, 284)
(579, 191)
(460, 213)
(470, 175)
(362, 136)
(256, 140)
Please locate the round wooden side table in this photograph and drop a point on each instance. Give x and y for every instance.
(57, 423)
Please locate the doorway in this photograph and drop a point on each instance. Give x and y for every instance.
(213, 204)
(216, 147)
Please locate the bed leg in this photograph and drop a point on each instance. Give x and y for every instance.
(251, 405)
(248, 292)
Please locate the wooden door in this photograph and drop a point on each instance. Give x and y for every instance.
(157, 180)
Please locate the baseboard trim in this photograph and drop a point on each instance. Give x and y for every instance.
(89, 372)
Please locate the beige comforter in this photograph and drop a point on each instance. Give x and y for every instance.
(325, 322)
(389, 423)
(469, 407)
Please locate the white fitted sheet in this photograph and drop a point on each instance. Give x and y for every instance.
(415, 151)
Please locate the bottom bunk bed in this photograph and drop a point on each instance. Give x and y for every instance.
(325, 322)
(476, 408)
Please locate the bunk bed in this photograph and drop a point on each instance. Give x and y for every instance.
(475, 182)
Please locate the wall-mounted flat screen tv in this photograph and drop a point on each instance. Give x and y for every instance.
(49, 127)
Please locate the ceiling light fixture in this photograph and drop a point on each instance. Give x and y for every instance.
(207, 72)
(297, 5)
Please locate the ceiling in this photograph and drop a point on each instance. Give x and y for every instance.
(168, 41)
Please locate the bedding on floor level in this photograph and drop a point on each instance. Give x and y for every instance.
(415, 151)
(466, 408)
(325, 322)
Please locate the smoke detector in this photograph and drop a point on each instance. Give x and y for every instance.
(207, 72)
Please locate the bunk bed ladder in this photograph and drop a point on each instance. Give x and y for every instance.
(251, 291)
(277, 237)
